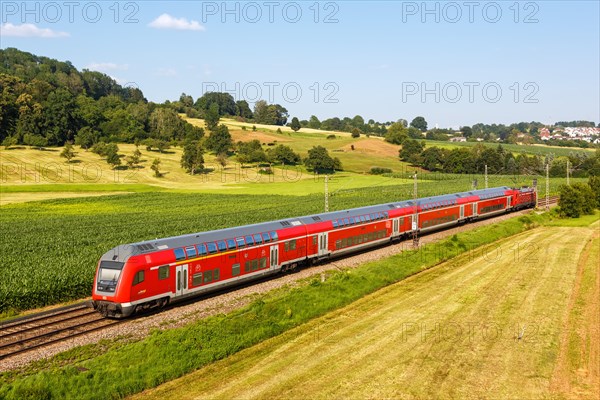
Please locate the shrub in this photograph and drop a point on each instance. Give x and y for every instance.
(380, 170)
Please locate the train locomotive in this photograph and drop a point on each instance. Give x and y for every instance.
(151, 274)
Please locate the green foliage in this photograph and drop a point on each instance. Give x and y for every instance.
(192, 159)
(283, 155)
(319, 161)
(295, 125)
(577, 199)
(155, 167)
(250, 152)
(356, 133)
(211, 117)
(396, 133)
(112, 157)
(594, 183)
(411, 151)
(219, 140)
(331, 137)
(419, 123)
(380, 170)
(68, 152)
(86, 137)
(273, 114)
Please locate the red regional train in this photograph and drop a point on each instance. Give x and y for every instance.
(150, 274)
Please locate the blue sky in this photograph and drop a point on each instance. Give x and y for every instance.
(455, 63)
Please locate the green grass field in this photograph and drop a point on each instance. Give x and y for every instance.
(484, 325)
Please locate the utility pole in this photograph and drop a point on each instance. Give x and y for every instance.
(547, 187)
(415, 224)
(568, 173)
(326, 193)
(486, 178)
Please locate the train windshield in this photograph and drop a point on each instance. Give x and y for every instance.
(108, 275)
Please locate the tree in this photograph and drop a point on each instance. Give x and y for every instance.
(222, 160)
(192, 159)
(243, 109)
(466, 131)
(283, 155)
(570, 202)
(356, 133)
(594, 183)
(86, 137)
(68, 152)
(396, 133)
(419, 123)
(411, 150)
(249, 152)
(319, 161)
(219, 140)
(314, 122)
(113, 158)
(211, 117)
(154, 167)
(134, 159)
(295, 125)
(589, 197)
(432, 159)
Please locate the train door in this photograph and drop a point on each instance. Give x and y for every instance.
(462, 212)
(274, 256)
(323, 243)
(414, 222)
(182, 280)
(396, 226)
(474, 213)
(508, 202)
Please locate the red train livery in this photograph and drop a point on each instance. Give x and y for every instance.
(153, 273)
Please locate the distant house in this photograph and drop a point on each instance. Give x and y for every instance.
(544, 134)
(458, 139)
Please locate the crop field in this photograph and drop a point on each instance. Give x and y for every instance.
(516, 320)
(535, 149)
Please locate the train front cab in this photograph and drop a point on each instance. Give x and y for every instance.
(107, 293)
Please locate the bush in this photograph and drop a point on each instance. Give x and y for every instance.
(331, 137)
(380, 170)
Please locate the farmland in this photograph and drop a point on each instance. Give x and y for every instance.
(479, 326)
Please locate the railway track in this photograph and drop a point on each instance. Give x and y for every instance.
(551, 200)
(44, 329)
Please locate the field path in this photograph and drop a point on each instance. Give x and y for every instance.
(484, 325)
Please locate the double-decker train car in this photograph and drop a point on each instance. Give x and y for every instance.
(150, 274)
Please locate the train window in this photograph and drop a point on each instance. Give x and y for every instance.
(340, 222)
(314, 240)
(274, 236)
(208, 275)
(197, 279)
(346, 221)
(254, 265)
(138, 278)
(367, 218)
(240, 242)
(221, 245)
(216, 274)
(344, 242)
(249, 241)
(247, 266)
(163, 272)
(338, 244)
(191, 251)
(179, 254)
(257, 239)
(266, 237)
(212, 248)
(262, 263)
(335, 224)
(230, 244)
(362, 218)
(286, 246)
(202, 249)
(293, 244)
(235, 269)
(352, 221)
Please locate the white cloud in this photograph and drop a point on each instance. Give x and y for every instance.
(29, 30)
(166, 21)
(107, 66)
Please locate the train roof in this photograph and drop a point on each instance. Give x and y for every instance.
(122, 252)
